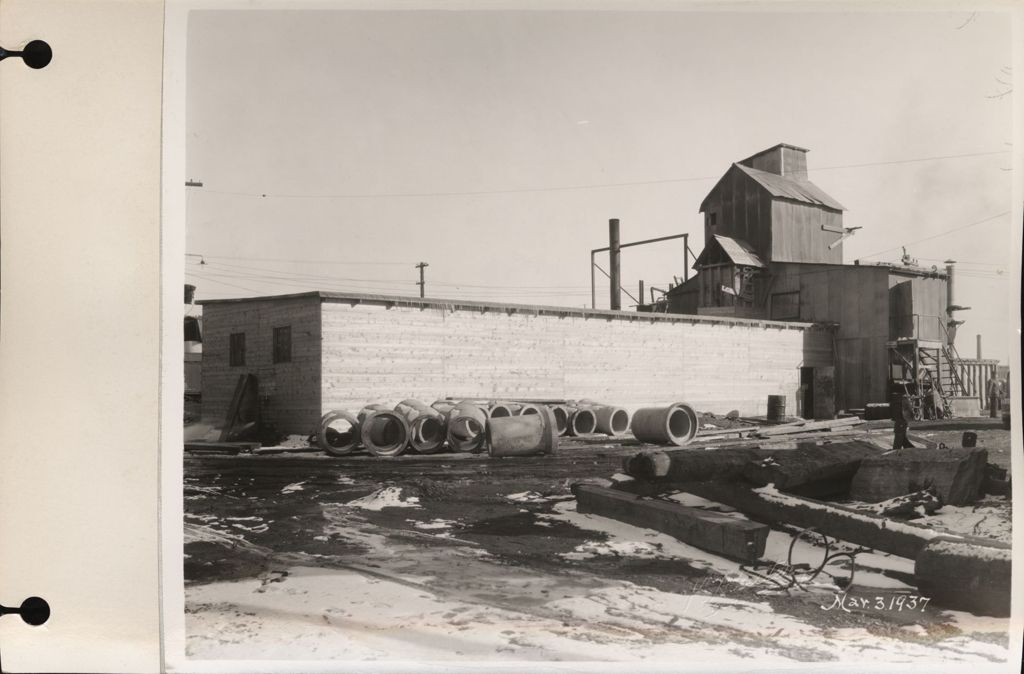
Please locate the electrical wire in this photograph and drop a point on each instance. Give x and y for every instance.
(936, 236)
(634, 183)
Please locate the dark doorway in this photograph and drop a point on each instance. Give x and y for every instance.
(806, 397)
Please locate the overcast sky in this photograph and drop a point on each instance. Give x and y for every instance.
(495, 146)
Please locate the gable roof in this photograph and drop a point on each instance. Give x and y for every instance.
(738, 251)
(783, 187)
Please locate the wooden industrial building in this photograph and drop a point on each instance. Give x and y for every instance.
(774, 250)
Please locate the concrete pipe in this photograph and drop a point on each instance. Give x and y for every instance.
(528, 409)
(411, 408)
(672, 425)
(523, 435)
(338, 433)
(466, 428)
(427, 434)
(561, 414)
(443, 406)
(582, 421)
(384, 433)
(504, 409)
(426, 426)
(611, 420)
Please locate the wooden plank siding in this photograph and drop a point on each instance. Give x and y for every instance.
(743, 210)
(373, 353)
(799, 233)
(855, 297)
(289, 392)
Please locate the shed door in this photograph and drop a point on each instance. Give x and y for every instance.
(824, 392)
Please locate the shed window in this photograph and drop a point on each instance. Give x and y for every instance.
(283, 344)
(713, 219)
(785, 306)
(236, 349)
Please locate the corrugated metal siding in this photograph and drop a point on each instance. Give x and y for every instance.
(786, 187)
(743, 211)
(857, 298)
(799, 234)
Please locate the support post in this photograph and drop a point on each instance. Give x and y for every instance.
(613, 257)
(641, 295)
(422, 284)
(686, 257)
(593, 283)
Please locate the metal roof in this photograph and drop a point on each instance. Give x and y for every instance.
(786, 187)
(739, 252)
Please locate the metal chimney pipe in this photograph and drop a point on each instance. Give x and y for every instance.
(613, 255)
(979, 347)
(949, 287)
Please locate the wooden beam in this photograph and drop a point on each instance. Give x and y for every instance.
(715, 532)
(770, 506)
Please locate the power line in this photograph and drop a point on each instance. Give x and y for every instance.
(936, 236)
(563, 188)
(301, 261)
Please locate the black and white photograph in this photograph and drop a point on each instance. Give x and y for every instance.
(600, 336)
(568, 335)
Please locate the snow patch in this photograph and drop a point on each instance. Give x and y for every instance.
(293, 487)
(388, 497)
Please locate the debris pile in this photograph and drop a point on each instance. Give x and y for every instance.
(849, 491)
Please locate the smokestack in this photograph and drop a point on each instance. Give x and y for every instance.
(949, 287)
(613, 254)
(979, 347)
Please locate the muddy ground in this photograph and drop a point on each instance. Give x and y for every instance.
(495, 550)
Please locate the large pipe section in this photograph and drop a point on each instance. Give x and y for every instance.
(467, 424)
(582, 421)
(672, 425)
(383, 431)
(561, 414)
(610, 420)
(427, 431)
(338, 441)
(613, 258)
(523, 435)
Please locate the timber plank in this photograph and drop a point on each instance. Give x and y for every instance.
(715, 532)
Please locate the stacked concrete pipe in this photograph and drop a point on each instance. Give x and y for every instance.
(672, 425)
(561, 414)
(332, 441)
(467, 425)
(608, 419)
(524, 434)
(383, 431)
(427, 428)
(503, 409)
(582, 421)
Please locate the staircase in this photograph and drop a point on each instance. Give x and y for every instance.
(930, 369)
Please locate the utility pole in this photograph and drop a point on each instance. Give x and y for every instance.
(422, 284)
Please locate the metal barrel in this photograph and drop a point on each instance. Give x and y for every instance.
(776, 408)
